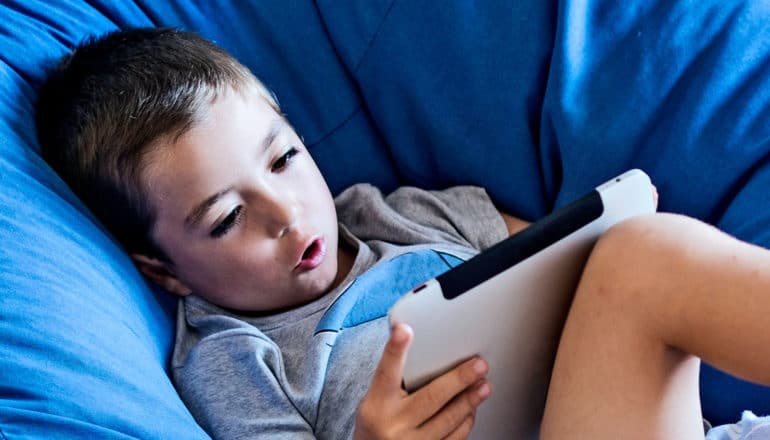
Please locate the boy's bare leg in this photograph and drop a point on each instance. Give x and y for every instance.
(655, 289)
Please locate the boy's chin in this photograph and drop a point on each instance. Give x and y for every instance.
(322, 282)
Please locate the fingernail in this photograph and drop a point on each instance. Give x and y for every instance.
(400, 333)
(484, 390)
(479, 366)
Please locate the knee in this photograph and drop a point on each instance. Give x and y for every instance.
(626, 252)
(629, 258)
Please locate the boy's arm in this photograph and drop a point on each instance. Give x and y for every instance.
(513, 224)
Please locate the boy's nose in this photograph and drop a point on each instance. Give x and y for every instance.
(280, 214)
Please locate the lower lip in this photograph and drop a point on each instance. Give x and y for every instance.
(315, 258)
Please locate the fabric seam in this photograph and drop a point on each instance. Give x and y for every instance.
(374, 36)
(339, 126)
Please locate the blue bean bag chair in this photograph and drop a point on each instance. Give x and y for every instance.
(536, 100)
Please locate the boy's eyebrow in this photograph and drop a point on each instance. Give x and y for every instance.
(195, 216)
(192, 220)
(275, 130)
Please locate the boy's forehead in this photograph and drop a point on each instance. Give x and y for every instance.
(238, 117)
(230, 103)
(248, 98)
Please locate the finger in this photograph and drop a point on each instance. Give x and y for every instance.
(387, 377)
(655, 196)
(428, 400)
(456, 413)
(463, 430)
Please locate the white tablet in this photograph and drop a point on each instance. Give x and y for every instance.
(509, 304)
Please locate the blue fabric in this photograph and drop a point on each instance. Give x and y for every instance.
(536, 100)
(456, 89)
(83, 341)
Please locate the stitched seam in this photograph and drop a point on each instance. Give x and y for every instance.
(361, 104)
(337, 128)
(374, 36)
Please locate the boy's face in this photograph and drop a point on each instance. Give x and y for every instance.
(242, 211)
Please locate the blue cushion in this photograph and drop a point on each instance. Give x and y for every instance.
(538, 101)
(85, 342)
(456, 90)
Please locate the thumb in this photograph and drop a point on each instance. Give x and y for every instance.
(390, 370)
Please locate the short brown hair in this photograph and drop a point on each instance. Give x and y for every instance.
(105, 104)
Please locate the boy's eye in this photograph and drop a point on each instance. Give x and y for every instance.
(284, 160)
(231, 220)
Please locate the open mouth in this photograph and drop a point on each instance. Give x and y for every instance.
(311, 250)
(313, 255)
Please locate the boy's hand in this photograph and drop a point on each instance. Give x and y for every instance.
(442, 409)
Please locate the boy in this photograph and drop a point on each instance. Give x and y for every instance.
(186, 158)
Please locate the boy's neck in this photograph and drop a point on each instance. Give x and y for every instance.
(346, 256)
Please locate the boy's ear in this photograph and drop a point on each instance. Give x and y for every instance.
(160, 273)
